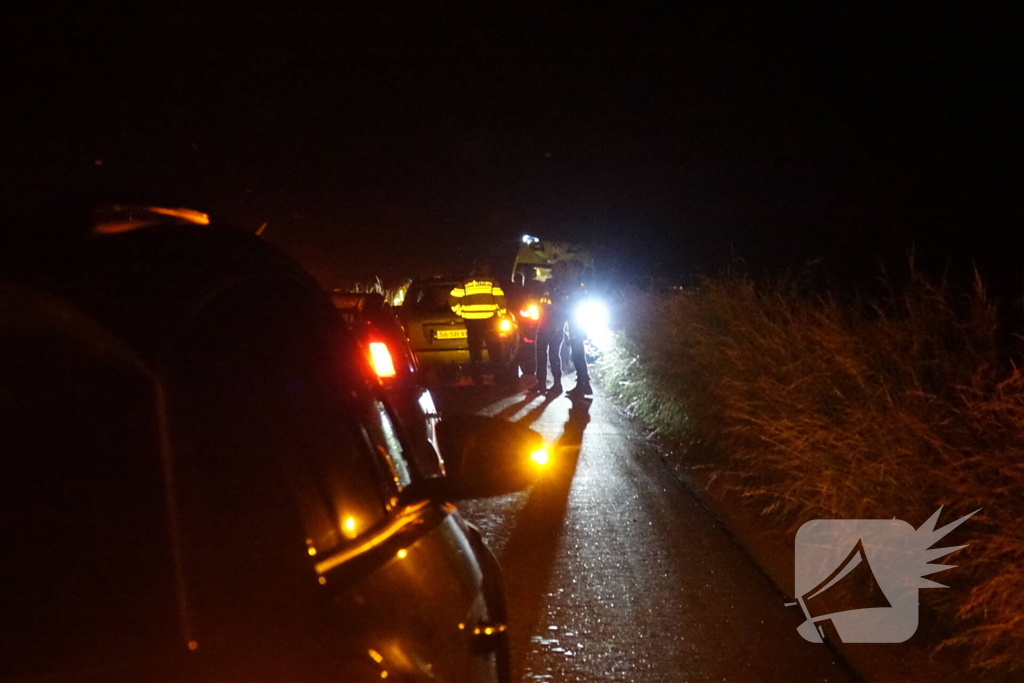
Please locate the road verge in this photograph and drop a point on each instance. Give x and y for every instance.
(781, 408)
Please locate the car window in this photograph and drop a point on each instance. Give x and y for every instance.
(433, 297)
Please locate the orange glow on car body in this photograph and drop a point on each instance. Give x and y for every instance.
(133, 217)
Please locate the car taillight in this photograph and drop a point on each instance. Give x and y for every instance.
(381, 361)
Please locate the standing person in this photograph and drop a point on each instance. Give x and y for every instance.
(576, 293)
(524, 300)
(551, 330)
(480, 301)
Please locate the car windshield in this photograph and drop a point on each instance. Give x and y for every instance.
(432, 297)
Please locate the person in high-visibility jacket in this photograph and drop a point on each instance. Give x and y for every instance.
(480, 302)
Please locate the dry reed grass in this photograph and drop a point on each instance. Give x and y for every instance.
(818, 408)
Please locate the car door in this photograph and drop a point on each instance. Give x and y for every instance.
(403, 568)
(252, 607)
(391, 579)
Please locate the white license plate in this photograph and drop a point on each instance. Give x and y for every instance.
(449, 334)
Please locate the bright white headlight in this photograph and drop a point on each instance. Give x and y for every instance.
(592, 316)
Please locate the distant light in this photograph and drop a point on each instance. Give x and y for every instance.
(311, 550)
(380, 359)
(403, 553)
(349, 526)
(540, 456)
(376, 656)
(530, 239)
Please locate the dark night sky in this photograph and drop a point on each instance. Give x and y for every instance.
(393, 139)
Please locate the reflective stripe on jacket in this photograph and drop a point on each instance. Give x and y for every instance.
(477, 299)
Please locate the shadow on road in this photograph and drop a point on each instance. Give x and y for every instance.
(528, 559)
(529, 556)
(513, 408)
(530, 417)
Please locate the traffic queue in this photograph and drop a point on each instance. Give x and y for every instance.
(479, 330)
(216, 470)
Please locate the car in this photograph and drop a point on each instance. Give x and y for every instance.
(206, 477)
(437, 335)
(375, 322)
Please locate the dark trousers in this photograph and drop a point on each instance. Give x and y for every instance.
(481, 333)
(579, 355)
(549, 344)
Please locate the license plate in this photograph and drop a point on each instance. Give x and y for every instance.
(449, 334)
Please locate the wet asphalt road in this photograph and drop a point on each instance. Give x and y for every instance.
(616, 572)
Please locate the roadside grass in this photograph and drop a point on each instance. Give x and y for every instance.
(817, 408)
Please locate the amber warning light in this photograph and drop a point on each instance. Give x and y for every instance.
(531, 311)
(380, 360)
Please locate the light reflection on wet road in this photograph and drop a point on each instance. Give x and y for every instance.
(615, 572)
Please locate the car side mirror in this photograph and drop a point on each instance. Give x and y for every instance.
(486, 456)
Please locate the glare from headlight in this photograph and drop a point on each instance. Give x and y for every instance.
(592, 316)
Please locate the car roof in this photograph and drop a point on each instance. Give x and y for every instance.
(148, 282)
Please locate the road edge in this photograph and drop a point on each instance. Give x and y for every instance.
(759, 542)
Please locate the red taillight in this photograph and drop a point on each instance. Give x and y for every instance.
(380, 359)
